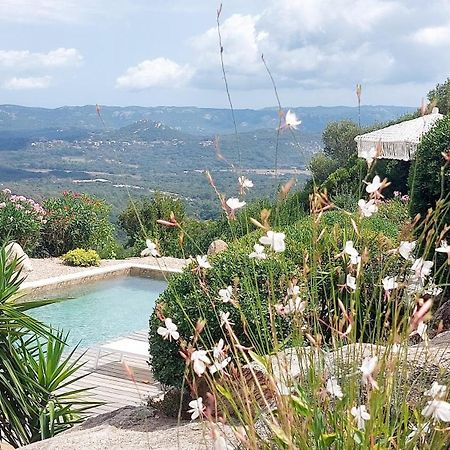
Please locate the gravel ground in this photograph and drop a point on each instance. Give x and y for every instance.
(130, 428)
(54, 267)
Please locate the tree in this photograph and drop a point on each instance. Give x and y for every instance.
(440, 95)
(321, 167)
(339, 140)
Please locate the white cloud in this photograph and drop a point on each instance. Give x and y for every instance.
(26, 83)
(24, 59)
(433, 36)
(159, 72)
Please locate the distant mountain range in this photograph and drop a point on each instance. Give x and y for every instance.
(192, 120)
(143, 150)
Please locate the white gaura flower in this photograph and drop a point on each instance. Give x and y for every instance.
(351, 282)
(225, 319)
(421, 269)
(436, 390)
(432, 289)
(234, 203)
(361, 415)
(334, 389)
(419, 433)
(352, 252)
(245, 183)
(290, 121)
(369, 155)
(444, 248)
(406, 248)
(218, 351)
(200, 360)
(274, 240)
(202, 262)
(226, 294)
(367, 208)
(258, 252)
(375, 185)
(389, 283)
(294, 305)
(437, 410)
(293, 291)
(197, 408)
(422, 330)
(151, 249)
(218, 366)
(368, 366)
(169, 331)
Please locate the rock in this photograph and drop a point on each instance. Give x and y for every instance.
(15, 251)
(216, 247)
(6, 446)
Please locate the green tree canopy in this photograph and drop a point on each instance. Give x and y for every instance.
(339, 140)
(441, 96)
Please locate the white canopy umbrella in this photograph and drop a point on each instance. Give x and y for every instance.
(397, 141)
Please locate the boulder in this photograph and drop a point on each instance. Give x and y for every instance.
(15, 251)
(216, 247)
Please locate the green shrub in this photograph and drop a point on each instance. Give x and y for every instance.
(429, 179)
(259, 285)
(81, 257)
(77, 220)
(21, 220)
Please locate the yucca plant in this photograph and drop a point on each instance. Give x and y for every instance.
(36, 401)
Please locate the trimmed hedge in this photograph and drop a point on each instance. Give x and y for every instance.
(260, 284)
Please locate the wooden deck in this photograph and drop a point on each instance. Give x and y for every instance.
(112, 381)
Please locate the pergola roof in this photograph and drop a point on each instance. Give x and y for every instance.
(398, 141)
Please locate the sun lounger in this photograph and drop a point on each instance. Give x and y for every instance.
(123, 347)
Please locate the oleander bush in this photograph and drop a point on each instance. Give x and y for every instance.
(77, 220)
(81, 258)
(21, 220)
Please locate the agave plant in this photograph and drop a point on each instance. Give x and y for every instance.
(36, 401)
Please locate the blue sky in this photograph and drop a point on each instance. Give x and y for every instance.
(154, 52)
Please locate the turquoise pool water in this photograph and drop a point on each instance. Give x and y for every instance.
(101, 311)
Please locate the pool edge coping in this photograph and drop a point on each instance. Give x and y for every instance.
(34, 288)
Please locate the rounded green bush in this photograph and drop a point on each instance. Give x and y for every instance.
(260, 284)
(429, 180)
(81, 257)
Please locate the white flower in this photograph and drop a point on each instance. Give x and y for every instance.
(294, 305)
(369, 155)
(218, 349)
(361, 415)
(422, 330)
(258, 253)
(202, 262)
(375, 185)
(418, 432)
(218, 366)
(436, 391)
(200, 360)
(283, 389)
(169, 331)
(432, 290)
(234, 203)
(245, 183)
(197, 408)
(150, 250)
(389, 283)
(406, 248)
(225, 319)
(225, 294)
(438, 410)
(352, 252)
(293, 291)
(334, 389)
(351, 282)
(367, 208)
(444, 248)
(274, 240)
(291, 121)
(368, 366)
(421, 269)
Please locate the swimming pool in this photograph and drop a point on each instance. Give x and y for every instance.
(101, 311)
